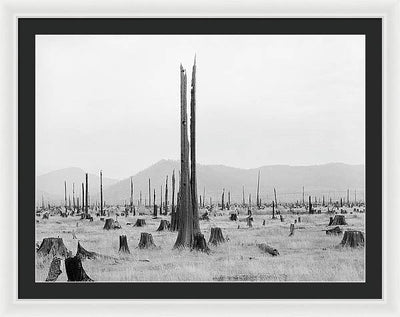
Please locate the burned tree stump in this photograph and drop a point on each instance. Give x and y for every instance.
(281, 218)
(140, 223)
(123, 244)
(205, 216)
(146, 241)
(339, 220)
(82, 253)
(266, 248)
(199, 243)
(54, 270)
(216, 236)
(299, 219)
(263, 222)
(45, 216)
(164, 225)
(233, 217)
(111, 224)
(291, 229)
(53, 247)
(334, 231)
(75, 271)
(352, 238)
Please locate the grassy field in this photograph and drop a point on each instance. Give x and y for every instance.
(308, 255)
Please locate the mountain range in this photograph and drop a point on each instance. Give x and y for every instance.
(329, 180)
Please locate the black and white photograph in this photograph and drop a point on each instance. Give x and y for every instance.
(200, 158)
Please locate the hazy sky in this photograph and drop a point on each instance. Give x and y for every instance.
(112, 102)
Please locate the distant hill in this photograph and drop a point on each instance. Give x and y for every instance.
(51, 185)
(331, 180)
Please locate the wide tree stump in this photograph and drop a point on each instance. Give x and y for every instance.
(233, 217)
(53, 247)
(334, 231)
(123, 244)
(352, 238)
(111, 224)
(45, 216)
(199, 243)
(140, 223)
(281, 218)
(266, 248)
(75, 271)
(164, 225)
(54, 270)
(146, 241)
(84, 254)
(291, 230)
(339, 220)
(263, 222)
(216, 236)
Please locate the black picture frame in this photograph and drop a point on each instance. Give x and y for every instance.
(29, 27)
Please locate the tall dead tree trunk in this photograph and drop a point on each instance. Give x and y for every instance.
(193, 174)
(154, 205)
(243, 200)
(73, 197)
(303, 196)
(161, 205)
(87, 194)
(65, 195)
(149, 193)
(310, 210)
(83, 197)
(186, 231)
(204, 196)
(173, 202)
(223, 199)
(132, 212)
(273, 210)
(276, 201)
(101, 193)
(166, 197)
(258, 190)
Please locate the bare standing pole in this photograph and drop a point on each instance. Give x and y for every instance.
(258, 190)
(87, 194)
(131, 196)
(65, 195)
(149, 194)
(101, 192)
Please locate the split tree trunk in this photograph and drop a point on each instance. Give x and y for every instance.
(54, 270)
(123, 244)
(82, 253)
(75, 271)
(185, 232)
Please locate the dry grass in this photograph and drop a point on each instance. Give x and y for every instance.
(309, 255)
